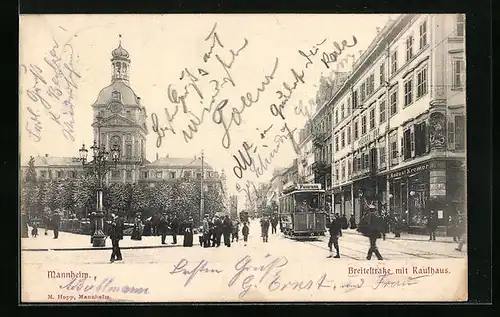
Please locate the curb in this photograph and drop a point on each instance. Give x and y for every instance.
(104, 248)
(402, 238)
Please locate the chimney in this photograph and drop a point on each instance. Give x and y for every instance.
(378, 30)
(138, 100)
(167, 156)
(156, 156)
(46, 155)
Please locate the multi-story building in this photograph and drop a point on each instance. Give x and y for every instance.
(122, 123)
(306, 156)
(399, 130)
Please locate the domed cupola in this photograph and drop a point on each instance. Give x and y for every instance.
(121, 64)
(120, 52)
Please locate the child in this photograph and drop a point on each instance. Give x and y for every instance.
(244, 231)
(34, 231)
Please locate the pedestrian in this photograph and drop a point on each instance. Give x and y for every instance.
(206, 232)
(396, 226)
(274, 224)
(56, 222)
(385, 222)
(34, 230)
(335, 228)
(344, 222)
(162, 226)
(227, 228)
(236, 230)
(217, 231)
(371, 226)
(462, 229)
(244, 231)
(188, 233)
(137, 231)
(116, 234)
(352, 222)
(174, 227)
(458, 227)
(264, 225)
(432, 225)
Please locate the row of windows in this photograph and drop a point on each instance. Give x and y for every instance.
(173, 174)
(414, 143)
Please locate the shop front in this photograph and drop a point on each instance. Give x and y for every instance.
(343, 200)
(435, 185)
(409, 195)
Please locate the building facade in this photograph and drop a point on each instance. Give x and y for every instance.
(306, 156)
(122, 123)
(399, 122)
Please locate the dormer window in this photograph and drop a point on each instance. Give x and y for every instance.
(116, 96)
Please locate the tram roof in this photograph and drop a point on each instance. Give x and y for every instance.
(298, 191)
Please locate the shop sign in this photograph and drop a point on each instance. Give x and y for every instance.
(410, 170)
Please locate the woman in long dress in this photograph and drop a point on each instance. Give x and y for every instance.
(188, 233)
(137, 231)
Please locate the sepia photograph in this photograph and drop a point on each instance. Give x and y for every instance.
(242, 158)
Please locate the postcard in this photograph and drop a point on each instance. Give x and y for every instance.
(242, 158)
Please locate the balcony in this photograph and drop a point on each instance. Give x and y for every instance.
(320, 167)
(319, 139)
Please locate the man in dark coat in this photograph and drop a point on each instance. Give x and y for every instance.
(432, 225)
(56, 222)
(335, 232)
(227, 228)
(264, 225)
(174, 227)
(274, 224)
(162, 226)
(371, 226)
(352, 221)
(344, 222)
(217, 231)
(116, 234)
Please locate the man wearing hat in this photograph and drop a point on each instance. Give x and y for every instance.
(163, 227)
(432, 225)
(335, 228)
(206, 232)
(371, 226)
(115, 234)
(56, 222)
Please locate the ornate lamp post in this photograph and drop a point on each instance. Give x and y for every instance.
(102, 163)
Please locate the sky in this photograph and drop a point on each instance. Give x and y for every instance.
(56, 112)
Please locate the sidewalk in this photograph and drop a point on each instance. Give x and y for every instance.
(406, 236)
(79, 242)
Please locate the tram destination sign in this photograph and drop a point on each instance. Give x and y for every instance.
(308, 186)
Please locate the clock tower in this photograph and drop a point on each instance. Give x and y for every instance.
(122, 120)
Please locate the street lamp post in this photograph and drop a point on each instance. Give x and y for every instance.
(102, 163)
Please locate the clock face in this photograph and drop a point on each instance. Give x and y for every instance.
(115, 107)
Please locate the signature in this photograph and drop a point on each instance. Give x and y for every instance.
(328, 58)
(388, 281)
(52, 91)
(254, 272)
(106, 285)
(180, 268)
(194, 84)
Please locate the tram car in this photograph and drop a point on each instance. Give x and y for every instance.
(301, 211)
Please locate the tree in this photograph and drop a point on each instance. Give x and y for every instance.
(29, 189)
(117, 197)
(187, 201)
(84, 193)
(139, 198)
(214, 202)
(51, 198)
(66, 196)
(162, 196)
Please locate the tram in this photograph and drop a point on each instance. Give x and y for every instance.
(302, 212)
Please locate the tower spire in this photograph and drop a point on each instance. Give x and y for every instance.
(119, 40)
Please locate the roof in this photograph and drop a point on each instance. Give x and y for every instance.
(179, 162)
(55, 161)
(128, 96)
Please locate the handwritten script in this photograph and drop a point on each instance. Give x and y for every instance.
(51, 86)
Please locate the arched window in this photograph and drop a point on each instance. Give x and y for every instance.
(116, 141)
(118, 68)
